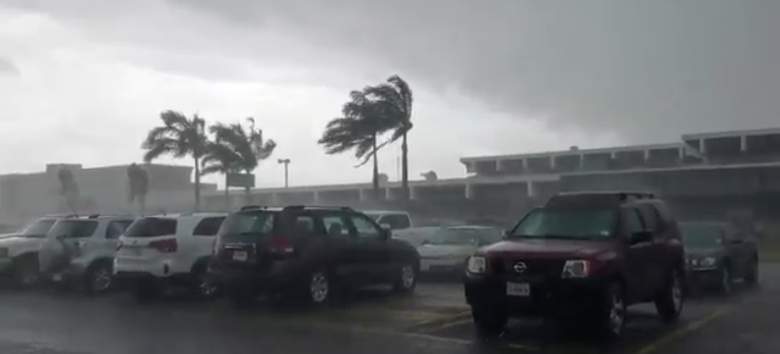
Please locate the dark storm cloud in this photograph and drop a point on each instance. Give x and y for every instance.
(7, 67)
(649, 69)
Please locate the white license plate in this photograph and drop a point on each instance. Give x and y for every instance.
(240, 256)
(518, 289)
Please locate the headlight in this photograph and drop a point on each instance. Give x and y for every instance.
(477, 265)
(3, 252)
(578, 268)
(707, 262)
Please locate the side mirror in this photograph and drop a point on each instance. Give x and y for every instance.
(641, 236)
(386, 226)
(505, 234)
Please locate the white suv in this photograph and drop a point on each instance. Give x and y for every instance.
(157, 251)
(80, 250)
(19, 251)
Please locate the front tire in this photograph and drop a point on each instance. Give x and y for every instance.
(26, 274)
(406, 279)
(204, 286)
(488, 320)
(612, 314)
(319, 288)
(669, 302)
(98, 278)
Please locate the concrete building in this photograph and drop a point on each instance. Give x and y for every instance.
(101, 189)
(741, 164)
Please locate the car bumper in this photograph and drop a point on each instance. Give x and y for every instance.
(555, 297)
(704, 277)
(277, 276)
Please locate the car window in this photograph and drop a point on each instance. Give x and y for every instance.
(649, 217)
(364, 228)
(335, 226)
(208, 226)
(116, 228)
(73, 228)
(152, 227)
(248, 225)
(303, 225)
(395, 221)
(633, 222)
(567, 223)
(38, 228)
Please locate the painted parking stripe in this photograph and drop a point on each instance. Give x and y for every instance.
(682, 332)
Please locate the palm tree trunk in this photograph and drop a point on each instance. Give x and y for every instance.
(247, 196)
(197, 183)
(404, 168)
(376, 171)
(227, 193)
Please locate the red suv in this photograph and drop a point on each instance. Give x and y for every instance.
(582, 254)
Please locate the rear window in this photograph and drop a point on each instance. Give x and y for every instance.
(151, 227)
(73, 228)
(208, 226)
(248, 224)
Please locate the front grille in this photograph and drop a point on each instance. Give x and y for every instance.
(534, 267)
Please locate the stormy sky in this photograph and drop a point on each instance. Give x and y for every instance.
(82, 81)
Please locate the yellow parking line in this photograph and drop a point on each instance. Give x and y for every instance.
(679, 333)
(446, 325)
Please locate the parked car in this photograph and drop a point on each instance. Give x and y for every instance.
(717, 254)
(19, 252)
(160, 251)
(80, 251)
(392, 219)
(308, 252)
(450, 247)
(583, 255)
(416, 236)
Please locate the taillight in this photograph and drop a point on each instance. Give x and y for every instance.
(281, 245)
(167, 245)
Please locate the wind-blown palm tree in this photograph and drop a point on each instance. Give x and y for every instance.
(248, 148)
(395, 97)
(219, 158)
(178, 136)
(359, 129)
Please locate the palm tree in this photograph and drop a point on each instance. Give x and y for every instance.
(395, 97)
(248, 148)
(359, 129)
(219, 158)
(178, 136)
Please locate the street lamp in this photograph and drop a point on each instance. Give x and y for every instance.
(286, 162)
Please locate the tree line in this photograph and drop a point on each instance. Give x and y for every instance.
(371, 119)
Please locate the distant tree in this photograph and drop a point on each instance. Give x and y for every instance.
(219, 158)
(395, 98)
(138, 181)
(180, 137)
(247, 148)
(69, 189)
(358, 130)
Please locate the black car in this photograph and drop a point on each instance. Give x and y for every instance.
(717, 254)
(583, 255)
(308, 252)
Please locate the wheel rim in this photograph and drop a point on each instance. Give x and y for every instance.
(726, 280)
(407, 276)
(318, 287)
(102, 279)
(616, 313)
(677, 294)
(206, 287)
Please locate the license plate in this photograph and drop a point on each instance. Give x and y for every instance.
(518, 289)
(240, 256)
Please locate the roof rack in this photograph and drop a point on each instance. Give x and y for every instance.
(253, 207)
(320, 207)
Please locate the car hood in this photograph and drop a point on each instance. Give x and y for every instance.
(703, 252)
(14, 242)
(549, 248)
(446, 251)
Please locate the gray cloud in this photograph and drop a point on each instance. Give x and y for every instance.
(7, 67)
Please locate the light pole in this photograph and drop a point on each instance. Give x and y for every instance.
(286, 163)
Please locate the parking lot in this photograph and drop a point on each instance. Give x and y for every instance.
(435, 319)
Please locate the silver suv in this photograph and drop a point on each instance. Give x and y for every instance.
(81, 251)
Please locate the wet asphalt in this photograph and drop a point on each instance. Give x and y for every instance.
(433, 320)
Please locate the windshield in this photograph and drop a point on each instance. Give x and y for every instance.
(152, 227)
(73, 228)
(249, 225)
(567, 223)
(701, 235)
(38, 228)
(464, 236)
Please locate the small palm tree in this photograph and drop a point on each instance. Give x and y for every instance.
(395, 97)
(180, 137)
(219, 158)
(248, 148)
(359, 129)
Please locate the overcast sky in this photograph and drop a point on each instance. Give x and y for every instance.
(82, 81)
